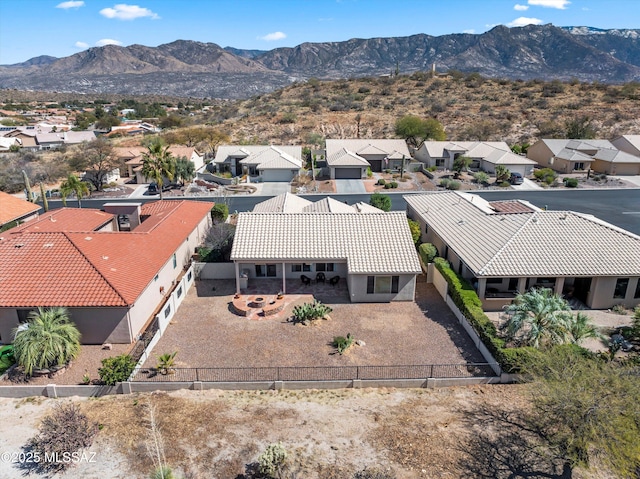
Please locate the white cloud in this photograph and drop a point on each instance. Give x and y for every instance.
(107, 41)
(71, 4)
(271, 37)
(522, 21)
(559, 4)
(82, 45)
(122, 11)
(520, 8)
(471, 30)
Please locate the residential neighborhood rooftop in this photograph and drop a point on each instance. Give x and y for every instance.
(12, 208)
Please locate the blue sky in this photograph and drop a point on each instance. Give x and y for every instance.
(29, 28)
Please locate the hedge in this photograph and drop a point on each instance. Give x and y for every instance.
(427, 252)
(465, 298)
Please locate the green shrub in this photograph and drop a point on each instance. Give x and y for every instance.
(342, 343)
(381, 182)
(453, 185)
(387, 186)
(116, 369)
(414, 227)
(444, 182)
(432, 168)
(427, 252)
(6, 358)
(272, 461)
(394, 184)
(571, 182)
(219, 212)
(369, 172)
(545, 175)
(308, 312)
(504, 184)
(380, 201)
(481, 177)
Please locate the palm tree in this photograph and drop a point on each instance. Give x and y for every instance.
(73, 185)
(158, 163)
(48, 339)
(538, 318)
(580, 328)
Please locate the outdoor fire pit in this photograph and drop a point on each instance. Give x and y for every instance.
(258, 302)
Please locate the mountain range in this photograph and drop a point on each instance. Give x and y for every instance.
(189, 68)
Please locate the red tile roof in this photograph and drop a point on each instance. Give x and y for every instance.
(66, 219)
(12, 208)
(94, 268)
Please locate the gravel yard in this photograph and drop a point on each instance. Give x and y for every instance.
(207, 334)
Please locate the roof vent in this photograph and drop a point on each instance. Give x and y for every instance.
(19, 245)
(88, 238)
(47, 245)
(461, 222)
(105, 257)
(563, 217)
(535, 220)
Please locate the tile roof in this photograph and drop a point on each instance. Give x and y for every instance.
(92, 268)
(284, 203)
(136, 154)
(264, 156)
(344, 157)
(473, 149)
(501, 157)
(615, 156)
(628, 143)
(573, 155)
(66, 219)
(328, 205)
(12, 208)
(535, 243)
(368, 146)
(370, 243)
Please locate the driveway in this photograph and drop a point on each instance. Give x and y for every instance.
(631, 179)
(272, 188)
(527, 185)
(350, 186)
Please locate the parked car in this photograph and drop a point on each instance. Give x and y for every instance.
(619, 341)
(516, 179)
(153, 189)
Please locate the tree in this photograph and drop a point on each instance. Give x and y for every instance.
(185, 170)
(414, 227)
(158, 163)
(585, 406)
(415, 130)
(73, 185)
(219, 212)
(538, 318)
(380, 201)
(48, 339)
(502, 173)
(581, 328)
(97, 158)
(460, 164)
(580, 128)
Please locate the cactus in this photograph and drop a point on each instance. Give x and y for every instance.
(27, 186)
(45, 202)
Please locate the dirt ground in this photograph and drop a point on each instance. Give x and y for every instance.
(328, 434)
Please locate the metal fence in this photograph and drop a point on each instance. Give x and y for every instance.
(315, 373)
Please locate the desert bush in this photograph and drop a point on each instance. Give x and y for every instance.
(414, 227)
(571, 182)
(394, 184)
(545, 175)
(342, 343)
(116, 369)
(427, 252)
(444, 182)
(481, 177)
(309, 312)
(381, 181)
(369, 172)
(64, 432)
(620, 309)
(272, 461)
(454, 185)
(219, 212)
(374, 474)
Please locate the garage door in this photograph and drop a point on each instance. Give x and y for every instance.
(276, 175)
(348, 173)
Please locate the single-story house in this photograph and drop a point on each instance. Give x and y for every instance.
(26, 135)
(615, 162)
(112, 282)
(16, 209)
(49, 141)
(133, 157)
(7, 143)
(264, 162)
(484, 155)
(374, 252)
(507, 247)
(564, 155)
(350, 158)
(290, 203)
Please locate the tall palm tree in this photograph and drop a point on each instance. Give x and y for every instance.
(158, 163)
(73, 185)
(48, 339)
(538, 318)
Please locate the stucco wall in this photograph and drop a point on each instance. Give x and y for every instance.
(339, 269)
(616, 168)
(540, 153)
(602, 289)
(357, 284)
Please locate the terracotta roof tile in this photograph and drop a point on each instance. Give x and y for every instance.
(66, 219)
(12, 208)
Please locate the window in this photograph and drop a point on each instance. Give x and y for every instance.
(382, 284)
(621, 288)
(324, 267)
(155, 278)
(189, 275)
(167, 311)
(494, 280)
(179, 292)
(299, 268)
(440, 162)
(578, 166)
(263, 270)
(175, 261)
(637, 293)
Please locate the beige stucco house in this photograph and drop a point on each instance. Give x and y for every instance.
(16, 209)
(350, 158)
(507, 247)
(113, 282)
(374, 252)
(261, 162)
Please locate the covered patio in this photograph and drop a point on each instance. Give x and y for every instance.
(322, 291)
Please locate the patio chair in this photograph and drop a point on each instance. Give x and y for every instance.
(320, 278)
(305, 280)
(334, 280)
